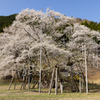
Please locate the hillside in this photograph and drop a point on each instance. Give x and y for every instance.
(6, 21)
(90, 24)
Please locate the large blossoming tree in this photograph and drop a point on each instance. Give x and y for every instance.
(49, 39)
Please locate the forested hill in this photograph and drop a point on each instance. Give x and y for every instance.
(90, 24)
(5, 21)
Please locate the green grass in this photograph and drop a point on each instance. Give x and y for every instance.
(33, 94)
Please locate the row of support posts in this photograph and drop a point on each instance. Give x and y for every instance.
(26, 75)
(55, 73)
(81, 83)
(26, 72)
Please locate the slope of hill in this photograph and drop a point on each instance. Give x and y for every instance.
(5, 21)
(90, 24)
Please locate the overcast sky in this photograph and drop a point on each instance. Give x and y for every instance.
(84, 9)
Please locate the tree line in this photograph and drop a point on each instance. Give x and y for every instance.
(6, 21)
(92, 25)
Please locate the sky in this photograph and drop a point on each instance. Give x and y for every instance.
(84, 9)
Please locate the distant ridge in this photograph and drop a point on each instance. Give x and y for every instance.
(90, 24)
(5, 21)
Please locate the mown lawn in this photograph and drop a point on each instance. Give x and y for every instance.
(33, 94)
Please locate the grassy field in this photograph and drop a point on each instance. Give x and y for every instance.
(33, 94)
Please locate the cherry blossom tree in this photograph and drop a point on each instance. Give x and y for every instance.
(24, 39)
(61, 42)
(83, 45)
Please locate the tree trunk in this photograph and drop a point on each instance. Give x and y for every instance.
(51, 81)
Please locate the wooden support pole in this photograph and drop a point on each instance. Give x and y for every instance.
(40, 61)
(51, 81)
(77, 89)
(34, 84)
(23, 83)
(16, 73)
(11, 82)
(29, 78)
(56, 84)
(24, 77)
(71, 79)
(23, 72)
(61, 85)
(15, 81)
(26, 73)
(28, 82)
(21, 86)
(12, 72)
(86, 70)
(80, 83)
(31, 82)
